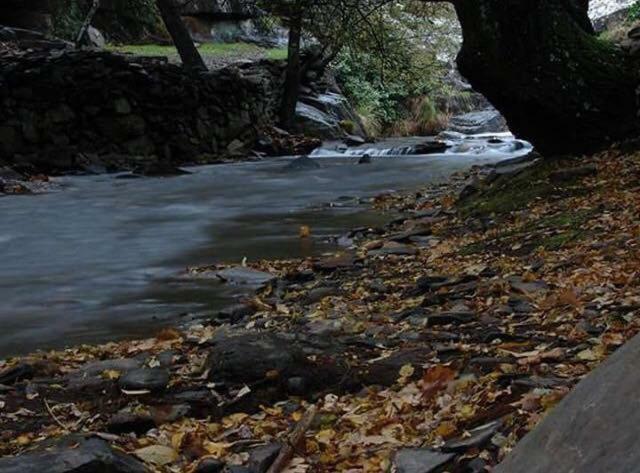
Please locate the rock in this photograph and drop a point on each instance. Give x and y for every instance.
(169, 413)
(210, 465)
(477, 438)
(319, 293)
(410, 232)
(354, 140)
(485, 121)
(128, 422)
(237, 312)
(324, 327)
(447, 318)
(261, 458)
(96, 368)
(431, 147)
(365, 159)
(386, 371)
(302, 164)
(569, 174)
(396, 249)
(94, 38)
(240, 275)
(151, 379)
(419, 460)
(333, 263)
(16, 373)
(73, 455)
(251, 357)
(160, 169)
(528, 287)
(595, 427)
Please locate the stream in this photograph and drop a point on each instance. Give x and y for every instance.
(101, 258)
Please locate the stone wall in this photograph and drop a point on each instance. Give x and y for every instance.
(84, 110)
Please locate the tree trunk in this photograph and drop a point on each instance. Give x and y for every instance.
(188, 52)
(538, 62)
(292, 80)
(87, 22)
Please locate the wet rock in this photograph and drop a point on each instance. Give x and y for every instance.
(431, 147)
(419, 460)
(365, 159)
(128, 422)
(261, 458)
(415, 230)
(210, 465)
(160, 169)
(485, 121)
(122, 365)
(251, 357)
(240, 275)
(73, 455)
(17, 373)
(343, 261)
(393, 248)
(354, 140)
(386, 371)
(237, 312)
(297, 386)
(477, 438)
(169, 413)
(152, 379)
(302, 164)
(319, 293)
(324, 327)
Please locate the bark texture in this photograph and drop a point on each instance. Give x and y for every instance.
(540, 64)
(292, 80)
(188, 52)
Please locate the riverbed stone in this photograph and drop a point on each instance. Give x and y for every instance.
(152, 379)
(419, 460)
(302, 164)
(261, 458)
(74, 454)
(240, 275)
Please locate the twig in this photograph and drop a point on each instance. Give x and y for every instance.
(295, 439)
(54, 417)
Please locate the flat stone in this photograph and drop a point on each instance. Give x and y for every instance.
(332, 263)
(529, 287)
(76, 456)
(477, 438)
(261, 458)
(396, 249)
(210, 465)
(447, 318)
(152, 379)
(127, 422)
(301, 164)
(240, 275)
(96, 368)
(419, 460)
(237, 312)
(386, 371)
(319, 293)
(594, 429)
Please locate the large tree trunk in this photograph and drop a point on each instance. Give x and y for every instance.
(292, 80)
(540, 64)
(188, 52)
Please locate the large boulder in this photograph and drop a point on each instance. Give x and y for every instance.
(594, 429)
(327, 116)
(74, 454)
(484, 121)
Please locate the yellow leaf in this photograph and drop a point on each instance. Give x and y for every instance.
(157, 454)
(305, 231)
(325, 436)
(217, 449)
(111, 374)
(176, 440)
(407, 371)
(23, 440)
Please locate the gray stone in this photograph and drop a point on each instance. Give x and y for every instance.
(96, 368)
(95, 38)
(261, 458)
(127, 422)
(594, 429)
(75, 455)
(245, 276)
(152, 379)
(477, 437)
(301, 164)
(485, 121)
(419, 460)
(210, 465)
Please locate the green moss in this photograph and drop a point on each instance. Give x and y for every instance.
(512, 192)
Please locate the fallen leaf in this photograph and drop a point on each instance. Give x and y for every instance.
(159, 455)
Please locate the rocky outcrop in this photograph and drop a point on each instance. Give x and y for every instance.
(484, 121)
(97, 110)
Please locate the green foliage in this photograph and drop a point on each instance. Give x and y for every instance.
(634, 12)
(209, 49)
(67, 19)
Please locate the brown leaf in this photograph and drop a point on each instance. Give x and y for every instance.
(436, 379)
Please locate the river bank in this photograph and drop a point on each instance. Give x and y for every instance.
(437, 340)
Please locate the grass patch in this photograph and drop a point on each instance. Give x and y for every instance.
(208, 49)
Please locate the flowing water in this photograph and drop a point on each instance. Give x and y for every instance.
(103, 258)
